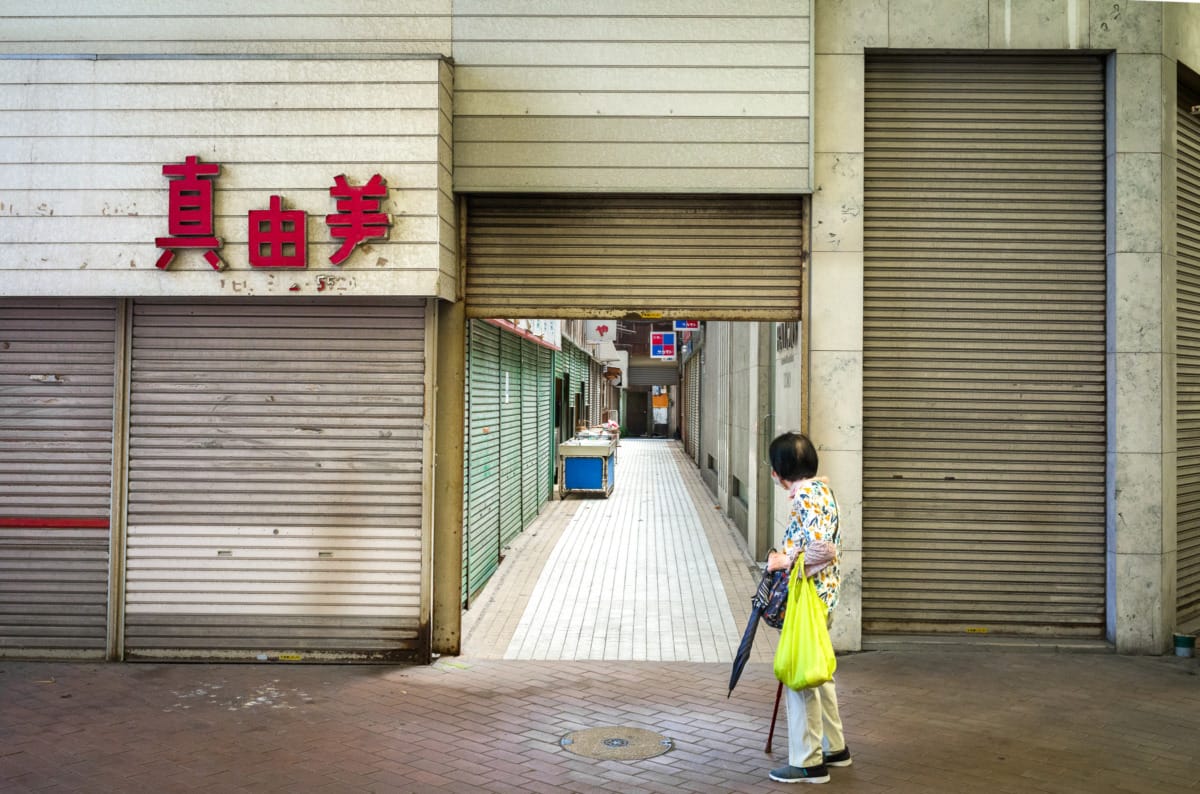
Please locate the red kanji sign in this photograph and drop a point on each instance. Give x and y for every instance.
(278, 237)
(190, 211)
(358, 217)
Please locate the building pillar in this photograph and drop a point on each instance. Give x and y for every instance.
(449, 407)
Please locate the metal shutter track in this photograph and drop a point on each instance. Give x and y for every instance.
(545, 414)
(530, 382)
(57, 362)
(510, 437)
(275, 480)
(482, 543)
(1187, 346)
(984, 345)
(692, 378)
(573, 256)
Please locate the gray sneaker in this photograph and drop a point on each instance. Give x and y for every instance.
(801, 774)
(840, 758)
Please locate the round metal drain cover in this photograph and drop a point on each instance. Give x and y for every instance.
(616, 743)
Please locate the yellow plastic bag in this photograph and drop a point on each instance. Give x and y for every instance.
(804, 657)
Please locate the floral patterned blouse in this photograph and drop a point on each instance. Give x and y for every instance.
(815, 517)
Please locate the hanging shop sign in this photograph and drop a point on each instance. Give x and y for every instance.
(278, 237)
(686, 325)
(597, 331)
(662, 345)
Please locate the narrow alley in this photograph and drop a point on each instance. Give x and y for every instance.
(652, 573)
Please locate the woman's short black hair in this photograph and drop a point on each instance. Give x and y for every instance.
(793, 456)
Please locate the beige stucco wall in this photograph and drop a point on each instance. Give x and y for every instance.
(1145, 38)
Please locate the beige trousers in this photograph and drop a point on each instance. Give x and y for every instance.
(814, 724)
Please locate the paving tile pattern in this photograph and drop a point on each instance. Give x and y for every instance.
(926, 721)
(657, 561)
(632, 576)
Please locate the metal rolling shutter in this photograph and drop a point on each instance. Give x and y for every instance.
(57, 364)
(653, 375)
(579, 376)
(692, 379)
(530, 432)
(984, 346)
(481, 546)
(719, 257)
(510, 437)
(1187, 349)
(275, 481)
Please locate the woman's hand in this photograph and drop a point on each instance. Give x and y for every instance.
(778, 561)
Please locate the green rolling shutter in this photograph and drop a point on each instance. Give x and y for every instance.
(481, 545)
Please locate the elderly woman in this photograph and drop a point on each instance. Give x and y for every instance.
(815, 739)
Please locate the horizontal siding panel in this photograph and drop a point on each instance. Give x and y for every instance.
(244, 95)
(680, 131)
(656, 27)
(665, 155)
(783, 104)
(234, 231)
(265, 179)
(584, 178)
(185, 122)
(408, 34)
(480, 53)
(120, 26)
(413, 205)
(238, 153)
(620, 78)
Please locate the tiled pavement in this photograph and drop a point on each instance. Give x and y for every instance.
(919, 720)
(633, 576)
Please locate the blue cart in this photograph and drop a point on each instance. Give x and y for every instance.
(587, 465)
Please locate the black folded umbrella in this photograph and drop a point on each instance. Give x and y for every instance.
(771, 593)
(743, 652)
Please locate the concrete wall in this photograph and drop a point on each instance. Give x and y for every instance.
(787, 404)
(714, 408)
(1147, 40)
(735, 422)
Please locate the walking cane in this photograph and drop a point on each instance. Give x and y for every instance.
(774, 714)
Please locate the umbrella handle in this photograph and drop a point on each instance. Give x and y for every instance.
(774, 715)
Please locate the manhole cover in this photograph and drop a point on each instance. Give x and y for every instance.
(616, 744)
